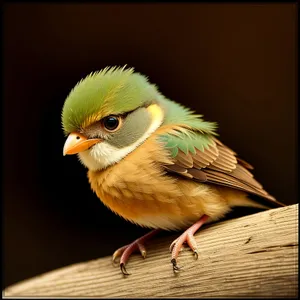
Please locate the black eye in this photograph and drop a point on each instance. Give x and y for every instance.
(111, 123)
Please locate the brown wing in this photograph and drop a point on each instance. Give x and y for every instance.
(219, 165)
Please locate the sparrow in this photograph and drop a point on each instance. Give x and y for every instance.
(153, 161)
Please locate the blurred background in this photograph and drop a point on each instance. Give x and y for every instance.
(233, 63)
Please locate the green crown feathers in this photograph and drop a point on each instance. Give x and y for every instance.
(112, 90)
(116, 90)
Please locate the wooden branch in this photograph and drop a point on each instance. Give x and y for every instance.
(253, 256)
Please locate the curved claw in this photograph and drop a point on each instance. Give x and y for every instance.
(114, 257)
(123, 269)
(118, 253)
(142, 250)
(114, 262)
(176, 268)
(196, 254)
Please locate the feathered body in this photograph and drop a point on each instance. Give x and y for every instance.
(164, 168)
(139, 190)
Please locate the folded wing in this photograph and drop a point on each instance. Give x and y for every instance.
(210, 161)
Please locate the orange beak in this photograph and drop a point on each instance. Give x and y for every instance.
(76, 143)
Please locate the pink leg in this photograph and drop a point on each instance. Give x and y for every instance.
(127, 250)
(187, 236)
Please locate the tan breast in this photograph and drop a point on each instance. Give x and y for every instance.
(138, 189)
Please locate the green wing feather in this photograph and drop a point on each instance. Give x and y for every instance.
(195, 134)
(186, 142)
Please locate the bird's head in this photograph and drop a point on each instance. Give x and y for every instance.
(108, 114)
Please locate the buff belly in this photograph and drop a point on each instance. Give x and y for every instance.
(138, 189)
(173, 205)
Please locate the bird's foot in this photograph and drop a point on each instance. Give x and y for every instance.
(186, 237)
(127, 250)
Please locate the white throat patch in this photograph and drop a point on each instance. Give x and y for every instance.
(103, 154)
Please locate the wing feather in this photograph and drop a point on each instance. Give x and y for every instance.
(214, 163)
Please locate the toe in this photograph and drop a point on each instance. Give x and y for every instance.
(118, 253)
(173, 244)
(191, 242)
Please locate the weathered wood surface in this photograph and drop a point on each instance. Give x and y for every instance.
(252, 256)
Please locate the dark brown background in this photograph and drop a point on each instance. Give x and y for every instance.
(234, 63)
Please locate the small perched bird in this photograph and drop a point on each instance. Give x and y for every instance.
(153, 161)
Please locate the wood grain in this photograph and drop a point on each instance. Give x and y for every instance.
(252, 256)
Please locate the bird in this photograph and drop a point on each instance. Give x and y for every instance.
(153, 161)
